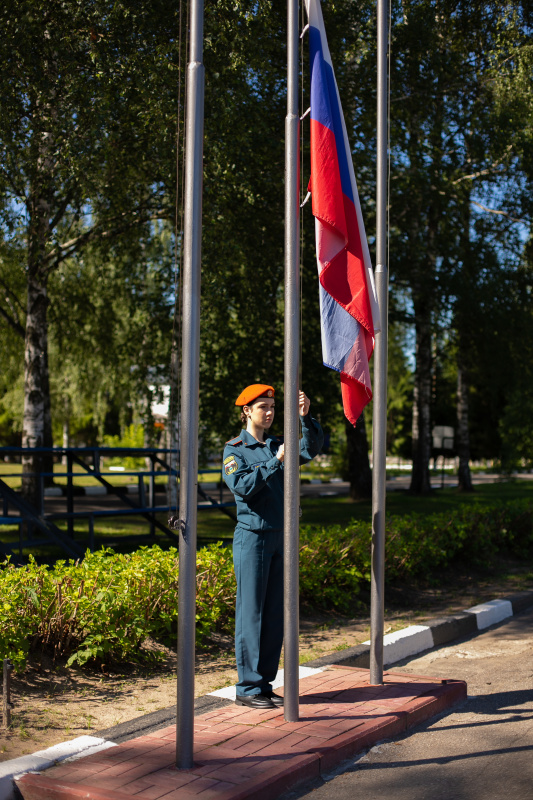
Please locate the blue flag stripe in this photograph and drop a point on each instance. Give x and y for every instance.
(325, 106)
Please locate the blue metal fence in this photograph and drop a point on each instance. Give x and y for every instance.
(38, 528)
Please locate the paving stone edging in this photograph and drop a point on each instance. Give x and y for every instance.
(397, 646)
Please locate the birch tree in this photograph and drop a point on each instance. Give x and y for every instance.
(79, 158)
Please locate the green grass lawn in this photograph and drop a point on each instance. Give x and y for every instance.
(340, 510)
(213, 524)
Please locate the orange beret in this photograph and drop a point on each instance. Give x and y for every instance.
(252, 392)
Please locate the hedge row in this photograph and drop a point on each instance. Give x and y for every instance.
(103, 608)
(335, 561)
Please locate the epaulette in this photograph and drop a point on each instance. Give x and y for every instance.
(236, 440)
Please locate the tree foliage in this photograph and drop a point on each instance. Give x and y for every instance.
(454, 147)
(92, 145)
(87, 136)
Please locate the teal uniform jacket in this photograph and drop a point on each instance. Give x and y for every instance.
(255, 476)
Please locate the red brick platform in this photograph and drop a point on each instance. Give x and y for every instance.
(241, 753)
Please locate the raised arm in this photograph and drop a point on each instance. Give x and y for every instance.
(312, 434)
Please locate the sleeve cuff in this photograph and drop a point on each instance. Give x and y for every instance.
(274, 463)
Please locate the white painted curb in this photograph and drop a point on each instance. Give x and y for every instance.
(53, 491)
(491, 612)
(95, 490)
(407, 642)
(75, 748)
(43, 759)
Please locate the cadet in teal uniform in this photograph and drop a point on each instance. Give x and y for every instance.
(253, 470)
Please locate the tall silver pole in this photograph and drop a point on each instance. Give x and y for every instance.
(188, 495)
(377, 595)
(292, 351)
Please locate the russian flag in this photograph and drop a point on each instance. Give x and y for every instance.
(348, 304)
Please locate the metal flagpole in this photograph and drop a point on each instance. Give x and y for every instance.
(377, 594)
(292, 349)
(188, 495)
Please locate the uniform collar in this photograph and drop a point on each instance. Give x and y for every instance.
(250, 440)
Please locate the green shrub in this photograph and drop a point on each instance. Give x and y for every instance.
(133, 437)
(26, 601)
(216, 590)
(335, 561)
(104, 607)
(334, 565)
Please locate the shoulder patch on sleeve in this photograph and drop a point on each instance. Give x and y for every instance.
(230, 465)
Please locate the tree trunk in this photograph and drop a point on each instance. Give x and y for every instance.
(360, 474)
(37, 419)
(463, 437)
(420, 482)
(172, 427)
(463, 322)
(37, 429)
(148, 424)
(66, 426)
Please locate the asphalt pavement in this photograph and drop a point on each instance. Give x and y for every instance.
(482, 750)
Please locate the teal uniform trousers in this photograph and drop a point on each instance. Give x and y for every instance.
(255, 476)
